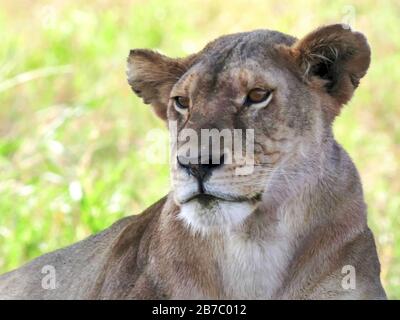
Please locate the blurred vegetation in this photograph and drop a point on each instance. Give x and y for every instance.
(73, 137)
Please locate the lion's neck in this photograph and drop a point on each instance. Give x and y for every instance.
(253, 263)
(254, 258)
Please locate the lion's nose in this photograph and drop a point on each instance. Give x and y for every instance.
(200, 168)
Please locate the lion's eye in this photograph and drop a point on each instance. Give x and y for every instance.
(181, 104)
(258, 98)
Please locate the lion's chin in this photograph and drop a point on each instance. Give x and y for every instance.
(208, 214)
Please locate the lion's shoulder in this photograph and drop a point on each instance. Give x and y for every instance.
(81, 268)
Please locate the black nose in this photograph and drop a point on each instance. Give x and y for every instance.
(198, 169)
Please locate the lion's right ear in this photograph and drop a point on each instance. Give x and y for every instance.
(152, 75)
(333, 56)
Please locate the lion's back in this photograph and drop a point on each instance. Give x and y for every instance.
(78, 270)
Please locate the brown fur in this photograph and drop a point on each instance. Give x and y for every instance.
(284, 231)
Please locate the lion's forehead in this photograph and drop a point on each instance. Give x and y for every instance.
(228, 69)
(234, 63)
(245, 42)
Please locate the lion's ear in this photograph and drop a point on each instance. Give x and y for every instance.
(335, 56)
(152, 75)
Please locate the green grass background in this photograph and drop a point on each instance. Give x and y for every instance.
(73, 138)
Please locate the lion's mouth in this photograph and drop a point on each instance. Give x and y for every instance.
(206, 198)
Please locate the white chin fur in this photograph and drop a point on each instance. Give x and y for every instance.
(216, 216)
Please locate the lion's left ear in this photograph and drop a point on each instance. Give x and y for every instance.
(336, 55)
(152, 75)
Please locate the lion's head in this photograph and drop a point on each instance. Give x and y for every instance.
(287, 90)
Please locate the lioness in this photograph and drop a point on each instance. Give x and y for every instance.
(293, 228)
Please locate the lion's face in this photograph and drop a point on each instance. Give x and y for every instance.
(262, 91)
(250, 90)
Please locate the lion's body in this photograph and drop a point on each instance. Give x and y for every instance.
(155, 256)
(88, 269)
(293, 228)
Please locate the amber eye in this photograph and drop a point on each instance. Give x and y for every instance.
(256, 96)
(181, 103)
